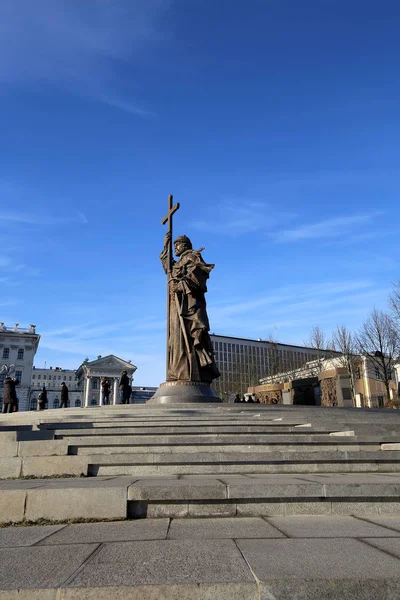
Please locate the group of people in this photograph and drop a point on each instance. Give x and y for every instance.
(249, 398)
(42, 398)
(125, 389)
(10, 400)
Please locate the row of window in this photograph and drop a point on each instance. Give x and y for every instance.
(6, 353)
(54, 377)
(377, 373)
(254, 351)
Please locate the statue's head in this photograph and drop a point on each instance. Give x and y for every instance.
(181, 244)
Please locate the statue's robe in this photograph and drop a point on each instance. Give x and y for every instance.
(191, 356)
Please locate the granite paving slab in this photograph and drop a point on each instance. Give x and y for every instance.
(219, 528)
(390, 522)
(391, 545)
(328, 569)
(41, 567)
(25, 536)
(164, 562)
(335, 527)
(116, 531)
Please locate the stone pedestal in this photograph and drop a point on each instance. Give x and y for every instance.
(176, 392)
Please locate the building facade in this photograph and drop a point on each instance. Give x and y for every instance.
(52, 378)
(243, 362)
(328, 384)
(18, 347)
(90, 374)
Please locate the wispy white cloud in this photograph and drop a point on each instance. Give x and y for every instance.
(316, 179)
(78, 46)
(10, 302)
(69, 346)
(9, 265)
(41, 219)
(240, 217)
(289, 295)
(293, 308)
(335, 227)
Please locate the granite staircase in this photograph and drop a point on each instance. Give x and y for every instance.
(226, 460)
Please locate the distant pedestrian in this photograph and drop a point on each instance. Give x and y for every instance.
(237, 398)
(105, 391)
(124, 388)
(42, 399)
(64, 395)
(10, 401)
(128, 394)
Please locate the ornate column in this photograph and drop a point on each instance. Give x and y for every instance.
(87, 391)
(115, 391)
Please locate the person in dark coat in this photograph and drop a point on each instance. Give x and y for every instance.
(105, 390)
(42, 399)
(237, 398)
(10, 401)
(124, 388)
(128, 394)
(64, 395)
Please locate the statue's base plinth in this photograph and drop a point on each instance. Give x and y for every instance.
(176, 392)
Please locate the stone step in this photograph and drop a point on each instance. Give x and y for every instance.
(91, 449)
(266, 495)
(104, 469)
(219, 439)
(232, 457)
(124, 465)
(226, 495)
(185, 430)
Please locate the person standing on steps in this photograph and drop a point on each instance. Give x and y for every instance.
(105, 390)
(42, 399)
(10, 401)
(124, 388)
(64, 395)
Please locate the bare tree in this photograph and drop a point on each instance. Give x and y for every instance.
(379, 340)
(319, 342)
(275, 365)
(343, 341)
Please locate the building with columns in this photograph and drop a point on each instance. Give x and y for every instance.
(90, 374)
(18, 347)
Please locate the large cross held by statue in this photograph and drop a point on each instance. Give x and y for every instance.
(168, 218)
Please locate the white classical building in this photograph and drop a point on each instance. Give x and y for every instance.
(18, 347)
(90, 374)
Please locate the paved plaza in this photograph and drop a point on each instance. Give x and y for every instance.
(222, 558)
(200, 503)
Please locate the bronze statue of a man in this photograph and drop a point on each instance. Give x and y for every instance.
(190, 352)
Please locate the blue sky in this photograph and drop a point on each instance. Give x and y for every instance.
(275, 124)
